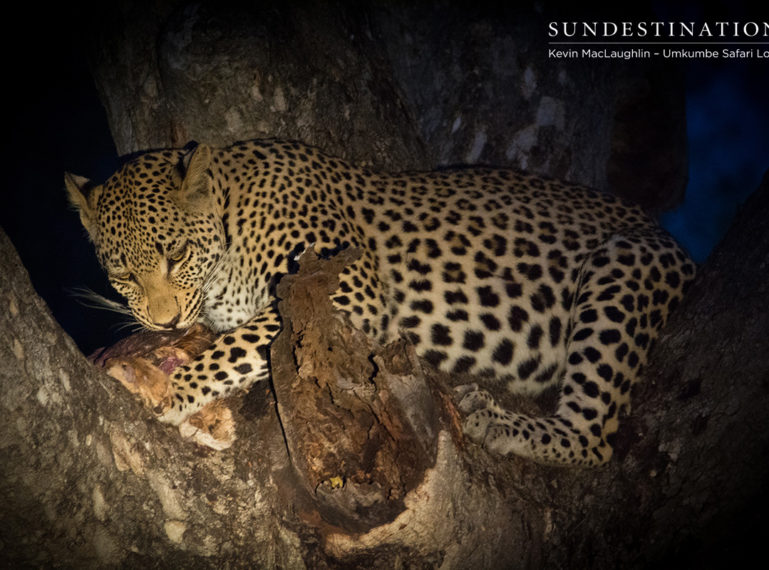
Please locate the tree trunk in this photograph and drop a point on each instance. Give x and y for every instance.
(392, 85)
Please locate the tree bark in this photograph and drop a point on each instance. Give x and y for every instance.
(89, 478)
(392, 85)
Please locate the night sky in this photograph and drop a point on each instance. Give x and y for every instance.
(728, 133)
(727, 113)
(57, 124)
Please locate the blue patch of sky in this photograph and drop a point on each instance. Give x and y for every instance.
(728, 132)
(727, 107)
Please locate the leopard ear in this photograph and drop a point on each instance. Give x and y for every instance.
(84, 196)
(194, 194)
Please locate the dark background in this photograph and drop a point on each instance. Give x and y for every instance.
(57, 123)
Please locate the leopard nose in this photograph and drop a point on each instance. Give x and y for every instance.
(172, 323)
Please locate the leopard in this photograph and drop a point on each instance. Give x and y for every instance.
(521, 282)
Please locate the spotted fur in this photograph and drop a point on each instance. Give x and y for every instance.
(488, 272)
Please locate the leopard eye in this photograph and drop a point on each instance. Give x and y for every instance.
(178, 256)
(126, 278)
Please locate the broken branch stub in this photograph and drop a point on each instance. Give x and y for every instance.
(360, 421)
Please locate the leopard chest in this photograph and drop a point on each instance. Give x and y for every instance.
(234, 292)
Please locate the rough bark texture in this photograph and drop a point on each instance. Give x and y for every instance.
(89, 478)
(360, 424)
(394, 85)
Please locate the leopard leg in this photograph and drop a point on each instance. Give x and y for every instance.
(236, 360)
(626, 290)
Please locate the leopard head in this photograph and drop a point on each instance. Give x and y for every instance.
(157, 228)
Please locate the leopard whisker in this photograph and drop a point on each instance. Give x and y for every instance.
(93, 300)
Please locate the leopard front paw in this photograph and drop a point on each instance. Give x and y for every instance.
(212, 426)
(155, 388)
(148, 363)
